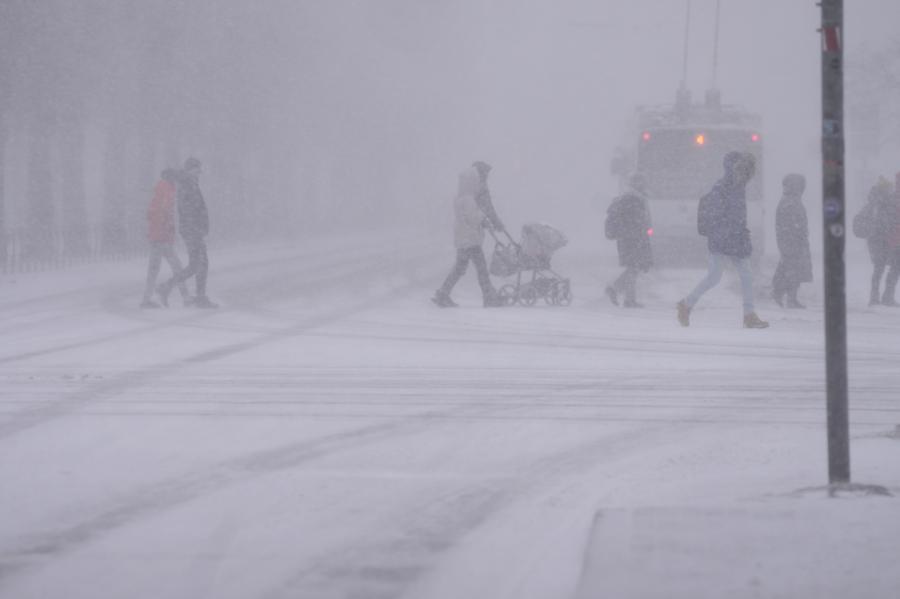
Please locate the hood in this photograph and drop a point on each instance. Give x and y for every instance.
(469, 182)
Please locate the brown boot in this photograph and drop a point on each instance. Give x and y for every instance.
(684, 314)
(752, 321)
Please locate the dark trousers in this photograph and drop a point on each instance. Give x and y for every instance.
(783, 283)
(626, 284)
(198, 265)
(890, 283)
(158, 251)
(463, 256)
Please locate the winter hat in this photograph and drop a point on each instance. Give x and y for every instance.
(730, 161)
(483, 168)
(192, 163)
(793, 184)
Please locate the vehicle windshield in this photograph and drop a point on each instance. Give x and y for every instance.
(684, 163)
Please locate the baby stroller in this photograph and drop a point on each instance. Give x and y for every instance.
(529, 261)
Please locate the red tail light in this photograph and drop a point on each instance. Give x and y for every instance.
(649, 232)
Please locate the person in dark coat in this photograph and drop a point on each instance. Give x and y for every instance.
(877, 221)
(792, 235)
(892, 234)
(193, 224)
(722, 218)
(628, 222)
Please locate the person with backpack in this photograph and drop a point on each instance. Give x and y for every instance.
(875, 223)
(722, 219)
(468, 235)
(161, 235)
(193, 224)
(792, 235)
(628, 222)
(893, 243)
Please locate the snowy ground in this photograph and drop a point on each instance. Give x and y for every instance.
(330, 433)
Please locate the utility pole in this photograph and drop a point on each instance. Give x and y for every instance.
(834, 234)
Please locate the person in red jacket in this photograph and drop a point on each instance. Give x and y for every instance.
(161, 235)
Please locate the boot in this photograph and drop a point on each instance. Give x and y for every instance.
(204, 303)
(633, 304)
(149, 304)
(612, 295)
(493, 300)
(163, 290)
(778, 296)
(794, 304)
(752, 321)
(684, 314)
(442, 299)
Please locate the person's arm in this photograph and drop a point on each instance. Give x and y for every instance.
(487, 206)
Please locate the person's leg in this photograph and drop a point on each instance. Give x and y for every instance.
(746, 276)
(792, 300)
(488, 292)
(629, 286)
(456, 273)
(152, 272)
(779, 285)
(890, 283)
(878, 267)
(202, 268)
(168, 252)
(194, 250)
(713, 276)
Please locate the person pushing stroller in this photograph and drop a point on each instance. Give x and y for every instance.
(473, 212)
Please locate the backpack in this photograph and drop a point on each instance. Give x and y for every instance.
(613, 225)
(707, 214)
(864, 222)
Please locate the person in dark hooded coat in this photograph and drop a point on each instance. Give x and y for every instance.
(628, 222)
(722, 218)
(792, 235)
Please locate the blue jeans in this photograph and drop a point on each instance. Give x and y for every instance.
(716, 266)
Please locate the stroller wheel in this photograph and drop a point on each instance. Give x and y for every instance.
(564, 295)
(508, 294)
(528, 295)
(552, 295)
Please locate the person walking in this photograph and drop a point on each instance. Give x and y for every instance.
(483, 197)
(193, 224)
(468, 235)
(792, 235)
(875, 224)
(161, 235)
(628, 222)
(722, 219)
(893, 245)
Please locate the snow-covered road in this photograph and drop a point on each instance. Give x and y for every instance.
(330, 433)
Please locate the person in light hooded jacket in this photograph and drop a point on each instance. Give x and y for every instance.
(468, 236)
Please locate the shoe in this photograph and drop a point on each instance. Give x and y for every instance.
(633, 304)
(189, 300)
(779, 298)
(684, 314)
(163, 291)
(204, 303)
(793, 304)
(874, 301)
(612, 295)
(442, 300)
(889, 302)
(752, 321)
(149, 305)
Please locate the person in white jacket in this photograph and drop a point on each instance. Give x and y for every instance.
(468, 235)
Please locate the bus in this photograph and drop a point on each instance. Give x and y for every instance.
(679, 149)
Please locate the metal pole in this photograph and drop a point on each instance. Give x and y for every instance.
(834, 230)
(715, 72)
(687, 34)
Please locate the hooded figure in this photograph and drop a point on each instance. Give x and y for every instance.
(792, 235)
(722, 217)
(876, 222)
(628, 222)
(161, 235)
(468, 235)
